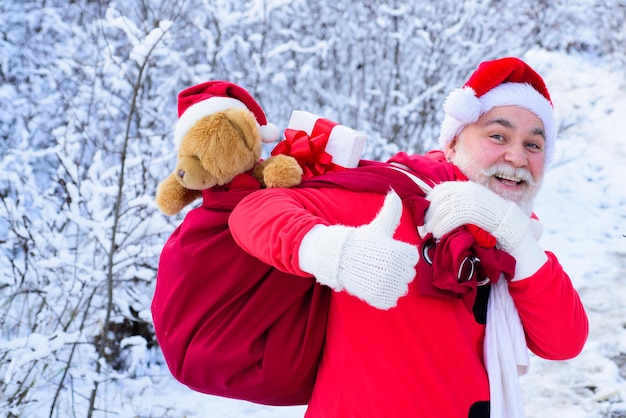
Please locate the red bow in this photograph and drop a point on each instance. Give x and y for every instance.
(309, 150)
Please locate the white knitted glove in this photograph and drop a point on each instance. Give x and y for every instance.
(528, 254)
(457, 203)
(365, 261)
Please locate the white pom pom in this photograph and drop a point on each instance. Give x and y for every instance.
(463, 105)
(269, 133)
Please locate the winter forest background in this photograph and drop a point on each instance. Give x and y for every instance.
(87, 110)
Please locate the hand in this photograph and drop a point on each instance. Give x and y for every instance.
(365, 261)
(457, 203)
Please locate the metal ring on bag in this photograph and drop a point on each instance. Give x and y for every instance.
(425, 255)
(484, 282)
(472, 260)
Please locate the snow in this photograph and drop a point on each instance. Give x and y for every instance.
(583, 209)
(582, 206)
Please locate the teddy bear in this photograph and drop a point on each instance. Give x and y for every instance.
(219, 135)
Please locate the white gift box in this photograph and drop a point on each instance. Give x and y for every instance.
(345, 145)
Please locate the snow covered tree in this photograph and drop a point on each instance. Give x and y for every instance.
(79, 228)
(87, 109)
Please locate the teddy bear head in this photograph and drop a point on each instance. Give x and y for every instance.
(219, 135)
(217, 148)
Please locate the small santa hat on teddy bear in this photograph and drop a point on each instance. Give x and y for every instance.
(501, 82)
(211, 97)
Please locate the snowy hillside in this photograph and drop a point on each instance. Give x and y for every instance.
(583, 209)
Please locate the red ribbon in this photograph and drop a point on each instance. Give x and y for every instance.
(309, 150)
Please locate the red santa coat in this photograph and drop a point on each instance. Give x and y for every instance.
(423, 358)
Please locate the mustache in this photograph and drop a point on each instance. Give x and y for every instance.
(501, 169)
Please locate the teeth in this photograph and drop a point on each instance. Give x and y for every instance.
(511, 178)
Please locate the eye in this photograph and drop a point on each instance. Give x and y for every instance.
(534, 146)
(497, 137)
(197, 157)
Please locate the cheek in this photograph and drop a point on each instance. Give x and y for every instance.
(536, 167)
(485, 155)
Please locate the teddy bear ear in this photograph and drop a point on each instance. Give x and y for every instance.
(269, 133)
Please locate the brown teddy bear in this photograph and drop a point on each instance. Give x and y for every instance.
(219, 135)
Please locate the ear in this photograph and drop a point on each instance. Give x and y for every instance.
(172, 197)
(245, 124)
(449, 149)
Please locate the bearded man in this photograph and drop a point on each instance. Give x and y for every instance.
(439, 285)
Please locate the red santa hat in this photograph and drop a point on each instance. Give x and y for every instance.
(501, 82)
(204, 99)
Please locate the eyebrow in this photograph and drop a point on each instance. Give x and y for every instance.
(507, 124)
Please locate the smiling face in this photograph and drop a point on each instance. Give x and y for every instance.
(503, 150)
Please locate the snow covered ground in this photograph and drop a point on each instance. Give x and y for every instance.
(583, 209)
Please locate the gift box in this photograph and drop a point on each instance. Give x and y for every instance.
(345, 145)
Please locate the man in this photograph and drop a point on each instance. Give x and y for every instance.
(406, 325)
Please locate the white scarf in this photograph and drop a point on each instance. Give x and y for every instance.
(505, 352)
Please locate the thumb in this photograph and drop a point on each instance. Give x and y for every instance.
(536, 227)
(388, 218)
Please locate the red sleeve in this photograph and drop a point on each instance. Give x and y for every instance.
(231, 325)
(553, 316)
(271, 223)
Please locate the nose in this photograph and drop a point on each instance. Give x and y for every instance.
(516, 155)
(181, 173)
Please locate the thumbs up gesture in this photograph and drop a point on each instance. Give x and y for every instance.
(364, 261)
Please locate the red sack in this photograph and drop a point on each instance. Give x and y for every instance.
(230, 325)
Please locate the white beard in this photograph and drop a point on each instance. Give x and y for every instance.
(468, 165)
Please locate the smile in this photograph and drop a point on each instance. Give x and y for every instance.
(509, 180)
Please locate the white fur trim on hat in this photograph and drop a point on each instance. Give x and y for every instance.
(461, 110)
(199, 110)
(462, 104)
